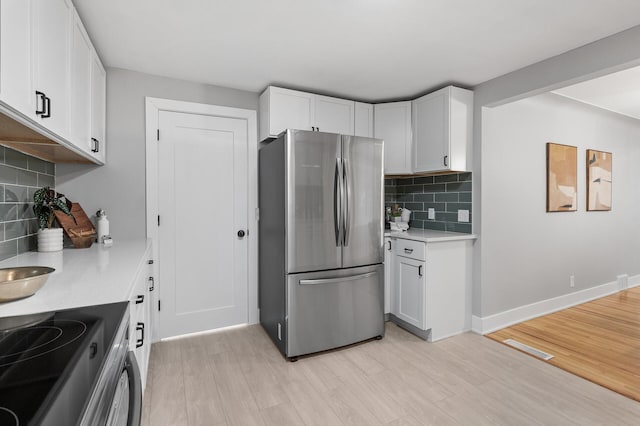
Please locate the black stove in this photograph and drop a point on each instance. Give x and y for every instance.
(50, 363)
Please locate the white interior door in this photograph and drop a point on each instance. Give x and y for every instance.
(202, 200)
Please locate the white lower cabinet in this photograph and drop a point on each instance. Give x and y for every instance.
(141, 327)
(388, 273)
(430, 286)
(410, 291)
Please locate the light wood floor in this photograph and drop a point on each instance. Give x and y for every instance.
(597, 340)
(237, 377)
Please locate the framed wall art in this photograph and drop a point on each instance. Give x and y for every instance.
(562, 178)
(599, 182)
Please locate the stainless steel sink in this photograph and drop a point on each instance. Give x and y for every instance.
(21, 282)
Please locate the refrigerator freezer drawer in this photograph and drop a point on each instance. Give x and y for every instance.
(329, 309)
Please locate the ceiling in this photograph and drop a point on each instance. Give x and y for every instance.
(618, 92)
(371, 50)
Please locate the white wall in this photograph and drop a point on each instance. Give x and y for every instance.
(614, 53)
(528, 254)
(119, 186)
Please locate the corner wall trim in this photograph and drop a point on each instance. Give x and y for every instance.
(491, 323)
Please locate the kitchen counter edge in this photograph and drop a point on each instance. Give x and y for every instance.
(83, 277)
(429, 235)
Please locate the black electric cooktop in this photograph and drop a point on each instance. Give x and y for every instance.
(49, 362)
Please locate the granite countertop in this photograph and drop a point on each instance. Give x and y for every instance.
(429, 235)
(83, 277)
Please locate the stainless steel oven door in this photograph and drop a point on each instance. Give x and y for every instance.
(126, 406)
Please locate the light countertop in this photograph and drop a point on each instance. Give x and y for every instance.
(82, 277)
(429, 235)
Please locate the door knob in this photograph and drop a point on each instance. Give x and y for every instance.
(241, 233)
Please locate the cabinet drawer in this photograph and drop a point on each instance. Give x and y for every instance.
(411, 249)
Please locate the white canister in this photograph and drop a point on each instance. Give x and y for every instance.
(103, 225)
(50, 239)
(406, 215)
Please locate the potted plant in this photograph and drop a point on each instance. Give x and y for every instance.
(45, 202)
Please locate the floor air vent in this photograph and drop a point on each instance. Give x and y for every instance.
(528, 349)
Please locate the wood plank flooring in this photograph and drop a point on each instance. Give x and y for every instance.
(237, 377)
(597, 340)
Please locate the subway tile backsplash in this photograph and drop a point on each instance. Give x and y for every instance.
(445, 193)
(20, 176)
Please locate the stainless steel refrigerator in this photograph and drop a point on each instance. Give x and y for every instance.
(321, 278)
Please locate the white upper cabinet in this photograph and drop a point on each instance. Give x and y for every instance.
(52, 30)
(282, 109)
(363, 120)
(51, 79)
(16, 87)
(442, 130)
(392, 123)
(334, 115)
(80, 111)
(98, 109)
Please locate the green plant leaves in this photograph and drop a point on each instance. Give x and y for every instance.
(45, 202)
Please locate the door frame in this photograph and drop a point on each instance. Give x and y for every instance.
(153, 106)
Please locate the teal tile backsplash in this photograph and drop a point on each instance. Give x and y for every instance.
(446, 194)
(20, 176)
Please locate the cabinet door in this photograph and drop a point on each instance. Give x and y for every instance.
(16, 88)
(334, 115)
(431, 132)
(289, 109)
(98, 109)
(80, 111)
(51, 60)
(410, 290)
(388, 273)
(393, 125)
(363, 120)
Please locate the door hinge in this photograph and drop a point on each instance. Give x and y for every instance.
(158, 135)
(158, 305)
(158, 220)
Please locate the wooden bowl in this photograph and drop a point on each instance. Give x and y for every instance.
(82, 242)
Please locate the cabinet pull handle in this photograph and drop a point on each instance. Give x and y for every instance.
(47, 103)
(420, 270)
(153, 284)
(445, 160)
(139, 299)
(96, 145)
(150, 262)
(140, 341)
(389, 245)
(408, 250)
(40, 96)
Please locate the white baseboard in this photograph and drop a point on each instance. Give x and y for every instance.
(491, 323)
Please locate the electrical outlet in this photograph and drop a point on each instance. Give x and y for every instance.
(572, 281)
(431, 213)
(463, 215)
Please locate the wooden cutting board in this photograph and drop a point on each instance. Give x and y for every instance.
(81, 225)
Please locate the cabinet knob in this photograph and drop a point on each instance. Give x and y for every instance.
(241, 233)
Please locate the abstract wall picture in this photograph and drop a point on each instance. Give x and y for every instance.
(562, 178)
(598, 180)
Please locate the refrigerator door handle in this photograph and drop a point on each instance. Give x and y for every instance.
(337, 280)
(337, 198)
(347, 199)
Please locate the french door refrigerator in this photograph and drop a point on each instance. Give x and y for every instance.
(321, 278)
